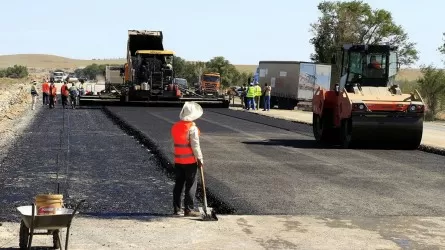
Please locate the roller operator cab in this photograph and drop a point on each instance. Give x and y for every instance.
(366, 106)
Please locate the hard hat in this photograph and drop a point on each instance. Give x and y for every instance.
(191, 111)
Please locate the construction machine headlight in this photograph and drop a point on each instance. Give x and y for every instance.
(416, 108)
(359, 107)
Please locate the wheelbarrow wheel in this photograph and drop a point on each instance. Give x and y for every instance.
(56, 239)
(24, 236)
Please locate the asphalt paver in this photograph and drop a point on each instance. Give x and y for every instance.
(262, 165)
(85, 155)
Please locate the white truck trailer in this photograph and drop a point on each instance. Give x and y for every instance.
(292, 81)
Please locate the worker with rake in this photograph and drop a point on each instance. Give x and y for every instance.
(188, 158)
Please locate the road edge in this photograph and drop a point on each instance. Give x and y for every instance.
(422, 147)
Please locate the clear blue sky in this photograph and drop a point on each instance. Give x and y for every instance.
(242, 31)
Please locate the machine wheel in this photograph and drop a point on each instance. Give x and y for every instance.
(56, 239)
(346, 133)
(24, 236)
(415, 140)
(317, 127)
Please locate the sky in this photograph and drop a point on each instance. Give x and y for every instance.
(244, 32)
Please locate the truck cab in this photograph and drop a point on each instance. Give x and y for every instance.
(210, 84)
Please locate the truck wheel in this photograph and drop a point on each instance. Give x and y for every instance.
(346, 133)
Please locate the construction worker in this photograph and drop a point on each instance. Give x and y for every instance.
(250, 96)
(74, 93)
(188, 157)
(34, 94)
(267, 91)
(374, 64)
(52, 95)
(45, 92)
(64, 92)
(257, 95)
(243, 96)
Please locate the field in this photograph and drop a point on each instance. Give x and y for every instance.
(52, 62)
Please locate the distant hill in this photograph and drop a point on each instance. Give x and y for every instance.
(52, 61)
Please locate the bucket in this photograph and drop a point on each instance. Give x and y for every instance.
(48, 203)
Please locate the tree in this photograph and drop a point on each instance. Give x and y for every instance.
(222, 66)
(432, 88)
(356, 22)
(17, 71)
(442, 47)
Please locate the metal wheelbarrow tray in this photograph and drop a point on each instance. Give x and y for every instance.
(53, 223)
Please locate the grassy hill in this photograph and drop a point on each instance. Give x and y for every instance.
(52, 61)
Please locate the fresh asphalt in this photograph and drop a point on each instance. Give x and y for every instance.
(262, 165)
(91, 159)
(254, 164)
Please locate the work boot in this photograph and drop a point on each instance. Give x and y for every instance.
(176, 211)
(189, 213)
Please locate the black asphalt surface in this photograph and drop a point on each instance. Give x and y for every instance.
(94, 160)
(262, 165)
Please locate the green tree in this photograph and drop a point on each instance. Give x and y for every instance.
(17, 71)
(179, 65)
(432, 88)
(222, 66)
(356, 22)
(442, 47)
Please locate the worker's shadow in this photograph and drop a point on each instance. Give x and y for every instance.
(295, 143)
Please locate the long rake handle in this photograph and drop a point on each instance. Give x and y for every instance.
(203, 187)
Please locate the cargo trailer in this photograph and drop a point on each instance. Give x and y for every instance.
(292, 81)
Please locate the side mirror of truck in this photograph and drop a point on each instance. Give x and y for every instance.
(337, 89)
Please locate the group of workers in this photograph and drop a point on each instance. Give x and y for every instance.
(251, 95)
(49, 93)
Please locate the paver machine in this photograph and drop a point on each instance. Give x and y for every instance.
(367, 106)
(148, 75)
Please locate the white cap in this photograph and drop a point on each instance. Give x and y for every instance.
(191, 111)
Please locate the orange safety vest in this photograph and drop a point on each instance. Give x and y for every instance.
(64, 90)
(53, 90)
(45, 88)
(183, 149)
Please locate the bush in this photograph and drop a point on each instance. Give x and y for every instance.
(17, 71)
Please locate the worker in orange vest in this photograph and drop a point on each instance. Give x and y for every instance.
(45, 92)
(64, 92)
(188, 157)
(52, 95)
(374, 64)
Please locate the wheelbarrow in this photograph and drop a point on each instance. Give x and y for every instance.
(52, 223)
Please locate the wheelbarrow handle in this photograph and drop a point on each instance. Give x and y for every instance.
(78, 206)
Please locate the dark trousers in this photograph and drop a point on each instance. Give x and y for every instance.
(64, 101)
(185, 176)
(52, 98)
(45, 99)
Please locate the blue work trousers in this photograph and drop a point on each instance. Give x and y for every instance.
(266, 102)
(250, 103)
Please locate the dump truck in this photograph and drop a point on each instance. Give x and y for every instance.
(366, 105)
(292, 81)
(148, 75)
(210, 84)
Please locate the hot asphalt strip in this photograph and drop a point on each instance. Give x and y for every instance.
(260, 165)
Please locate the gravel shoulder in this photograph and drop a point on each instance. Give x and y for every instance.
(247, 232)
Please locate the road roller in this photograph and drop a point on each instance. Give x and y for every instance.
(366, 106)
